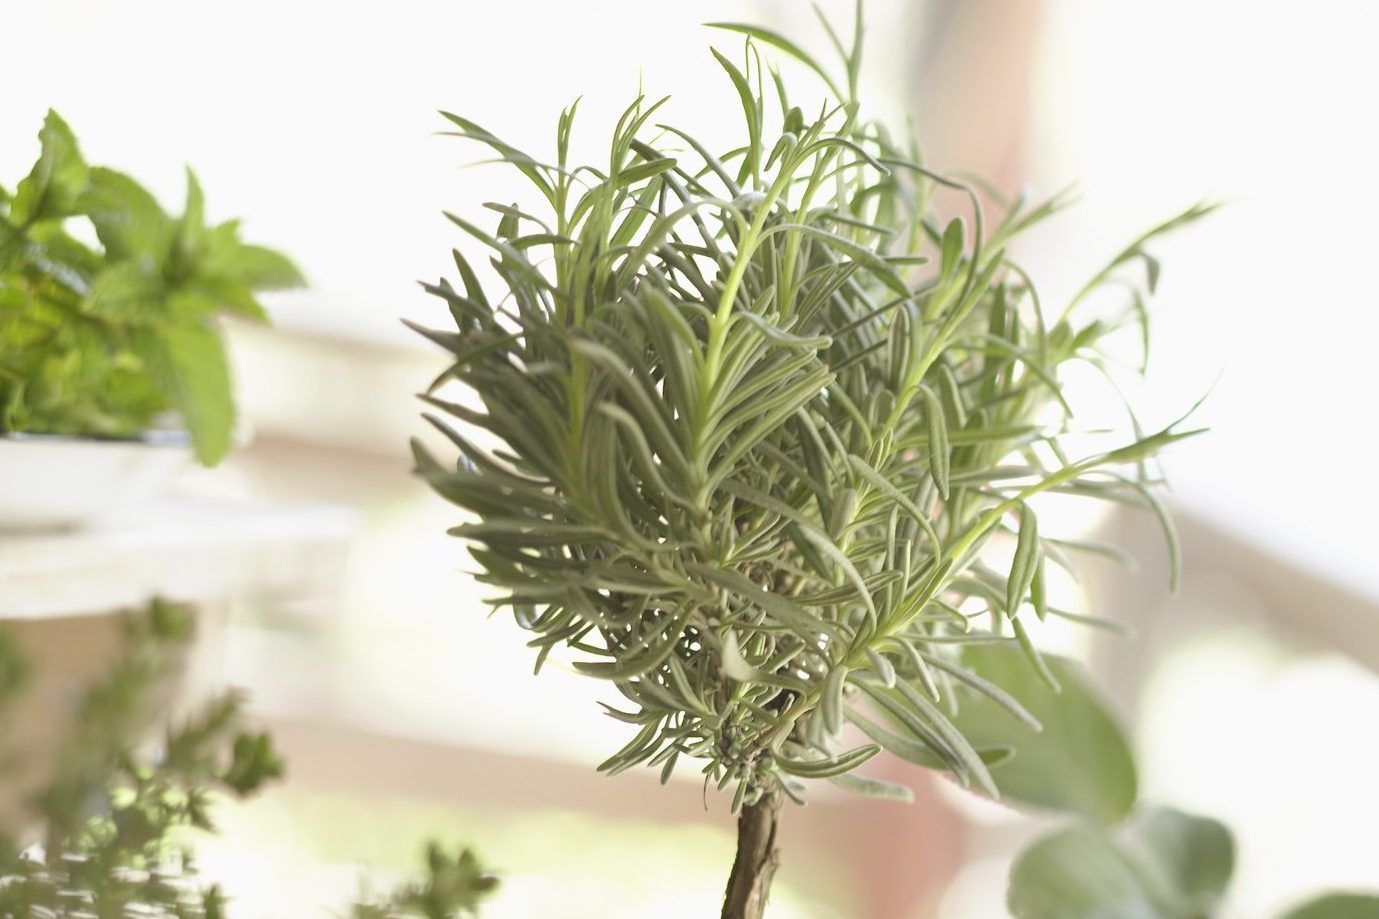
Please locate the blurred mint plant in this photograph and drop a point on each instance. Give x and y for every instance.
(114, 822)
(742, 426)
(105, 339)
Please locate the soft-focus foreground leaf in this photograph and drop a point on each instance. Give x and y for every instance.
(1338, 906)
(1160, 864)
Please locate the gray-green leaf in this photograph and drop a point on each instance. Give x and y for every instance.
(1161, 864)
(1079, 762)
(1338, 906)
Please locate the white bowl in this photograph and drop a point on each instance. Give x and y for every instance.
(55, 482)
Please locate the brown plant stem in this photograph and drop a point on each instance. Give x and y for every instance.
(757, 858)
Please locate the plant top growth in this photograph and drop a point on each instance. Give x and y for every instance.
(736, 427)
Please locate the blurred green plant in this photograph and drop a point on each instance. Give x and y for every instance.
(1159, 864)
(113, 823)
(451, 887)
(745, 424)
(104, 339)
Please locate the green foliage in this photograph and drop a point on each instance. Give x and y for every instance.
(749, 455)
(14, 668)
(741, 425)
(451, 888)
(103, 340)
(1339, 906)
(1160, 864)
(114, 821)
(1073, 755)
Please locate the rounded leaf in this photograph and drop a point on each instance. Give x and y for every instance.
(1161, 864)
(1339, 906)
(1079, 762)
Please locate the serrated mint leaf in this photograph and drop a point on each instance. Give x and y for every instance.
(126, 292)
(56, 181)
(188, 361)
(128, 219)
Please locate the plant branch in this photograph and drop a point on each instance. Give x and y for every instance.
(757, 858)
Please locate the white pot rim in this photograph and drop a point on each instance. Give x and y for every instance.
(166, 438)
(59, 481)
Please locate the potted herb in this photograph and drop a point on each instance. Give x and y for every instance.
(111, 357)
(747, 424)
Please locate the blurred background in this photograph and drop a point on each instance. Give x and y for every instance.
(405, 711)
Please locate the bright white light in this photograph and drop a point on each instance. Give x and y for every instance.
(1151, 107)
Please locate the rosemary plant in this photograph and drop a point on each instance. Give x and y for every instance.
(745, 423)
